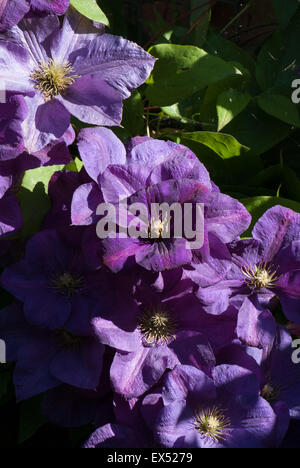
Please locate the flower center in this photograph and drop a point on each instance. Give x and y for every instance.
(261, 276)
(52, 78)
(270, 393)
(158, 228)
(67, 284)
(157, 326)
(212, 423)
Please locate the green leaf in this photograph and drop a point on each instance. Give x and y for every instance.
(285, 12)
(40, 175)
(30, 418)
(257, 206)
(133, 112)
(33, 197)
(181, 71)
(74, 166)
(199, 34)
(257, 130)
(226, 146)
(230, 103)
(227, 50)
(279, 58)
(280, 107)
(91, 10)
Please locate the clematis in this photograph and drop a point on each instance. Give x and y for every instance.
(76, 69)
(69, 406)
(12, 11)
(152, 171)
(47, 359)
(281, 375)
(57, 287)
(155, 336)
(223, 412)
(260, 268)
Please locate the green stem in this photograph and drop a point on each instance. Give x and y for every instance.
(236, 17)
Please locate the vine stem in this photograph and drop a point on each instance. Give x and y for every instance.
(210, 3)
(236, 17)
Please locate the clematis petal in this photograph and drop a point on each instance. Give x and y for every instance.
(93, 101)
(276, 229)
(11, 12)
(121, 64)
(99, 148)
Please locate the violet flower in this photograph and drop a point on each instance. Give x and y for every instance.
(57, 286)
(223, 412)
(75, 70)
(260, 268)
(46, 359)
(156, 335)
(12, 11)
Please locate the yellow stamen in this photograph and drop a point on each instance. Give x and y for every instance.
(52, 78)
(212, 423)
(157, 326)
(157, 227)
(67, 284)
(261, 276)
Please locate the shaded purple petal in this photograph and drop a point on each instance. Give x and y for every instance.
(117, 251)
(36, 140)
(120, 63)
(74, 37)
(132, 374)
(112, 436)
(99, 148)
(288, 291)
(53, 6)
(164, 255)
(93, 101)
(80, 367)
(32, 375)
(119, 182)
(11, 12)
(84, 204)
(52, 117)
(255, 327)
(12, 114)
(225, 217)
(69, 407)
(276, 229)
(10, 214)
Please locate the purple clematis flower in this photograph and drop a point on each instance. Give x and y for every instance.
(75, 70)
(153, 171)
(69, 406)
(223, 412)
(12, 11)
(260, 268)
(46, 359)
(155, 336)
(57, 286)
(281, 375)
